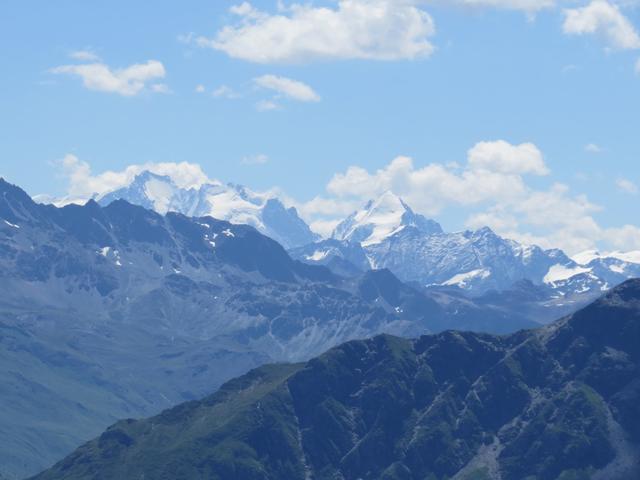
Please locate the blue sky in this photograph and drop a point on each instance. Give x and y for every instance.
(429, 82)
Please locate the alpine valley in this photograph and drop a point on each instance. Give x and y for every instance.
(152, 295)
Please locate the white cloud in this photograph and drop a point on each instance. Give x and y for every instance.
(267, 106)
(259, 159)
(186, 38)
(592, 148)
(329, 207)
(627, 186)
(430, 188)
(83, 185)
(127, 81)
(161, 88)
(529, 6)
(604, 19)
(624, 238)
(223, 91)
(501, 156)
(324, 228)
(550, 218)
(84, 56)
(491, 189)
(200, 89)
(290, 88)
(353, 29)
(493, 173)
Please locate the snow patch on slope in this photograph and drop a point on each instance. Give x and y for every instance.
(463, 279)
(558, 273)
(318, 255)
(12, 225)
(159, 193)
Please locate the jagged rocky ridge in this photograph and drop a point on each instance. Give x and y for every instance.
(558, 403)
(117, 311)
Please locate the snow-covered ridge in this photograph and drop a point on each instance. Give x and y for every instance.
(318, 255)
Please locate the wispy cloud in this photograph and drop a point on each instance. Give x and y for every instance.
(84, 55)
(292, 89)
(267, 106)
(128, 81)
(592, 148)
(528, 6)
(627, 186)
(224, 91)
(161, 88)
(259, 159)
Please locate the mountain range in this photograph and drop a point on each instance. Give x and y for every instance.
(387, 233)
(111, 310)
(116, 311)
(558, 403)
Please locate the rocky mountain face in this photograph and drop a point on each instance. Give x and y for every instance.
(386, 233)
(117, 311)
(233, 203)
(561, 402)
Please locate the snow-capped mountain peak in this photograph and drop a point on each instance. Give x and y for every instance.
(152, 191)
(380, 219)
(233, 203)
